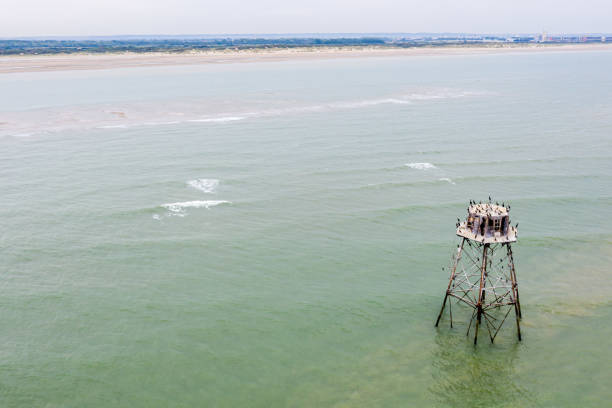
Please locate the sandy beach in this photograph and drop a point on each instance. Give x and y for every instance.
(19, 64)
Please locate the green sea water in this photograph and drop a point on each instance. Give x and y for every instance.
(272, 234)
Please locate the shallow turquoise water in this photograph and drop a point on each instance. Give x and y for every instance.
(314, 276)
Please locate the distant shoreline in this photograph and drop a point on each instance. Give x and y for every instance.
(85, 61)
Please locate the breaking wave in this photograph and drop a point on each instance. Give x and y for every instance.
(219, 119)
(114, 126)
(448, 180)
(421, 166)
(369, 102)
(136, 115)
(180, 207)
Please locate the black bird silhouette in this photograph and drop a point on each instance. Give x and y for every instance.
(489, 198)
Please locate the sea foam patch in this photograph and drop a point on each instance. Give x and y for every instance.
(447, 179)
(204, 185)
(219, 119)
(203, 112)
(369, 102)
(180, 207)
(113, 126)
(421, 166)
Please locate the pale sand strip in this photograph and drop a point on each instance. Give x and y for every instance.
(33, 63)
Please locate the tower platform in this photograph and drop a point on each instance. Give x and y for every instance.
(487, 224)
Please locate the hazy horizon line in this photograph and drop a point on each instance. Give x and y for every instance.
(293, 35)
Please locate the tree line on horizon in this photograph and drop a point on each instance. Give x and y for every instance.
(13, 47)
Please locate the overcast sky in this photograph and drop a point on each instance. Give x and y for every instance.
(114, 17)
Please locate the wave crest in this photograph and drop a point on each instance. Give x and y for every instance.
(421, 166)
(218, 119)
(181, 206)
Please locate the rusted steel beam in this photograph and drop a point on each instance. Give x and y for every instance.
(514, 281)
(517, 305)
(450, 281)
(483, 270)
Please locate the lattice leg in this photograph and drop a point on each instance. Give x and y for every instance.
(515, 283)
(481, 291)
(517, 305)
(450, 282)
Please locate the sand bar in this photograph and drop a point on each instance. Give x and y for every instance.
(65, 62)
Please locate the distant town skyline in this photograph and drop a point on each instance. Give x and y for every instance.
(184, 17)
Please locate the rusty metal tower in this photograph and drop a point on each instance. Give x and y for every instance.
(482, 270)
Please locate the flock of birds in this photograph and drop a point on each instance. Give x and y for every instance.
(488, 206)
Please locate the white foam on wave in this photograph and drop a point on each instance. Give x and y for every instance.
(113, 127)
(112, 118)
(205, 185)
(27, 134)
(370, 102)
(406, 99)
(421, 166)
(436, 94)
(173, 122)
(219, 119)
(321, 108)
(448, 180)
(180, 207)
(430, 166)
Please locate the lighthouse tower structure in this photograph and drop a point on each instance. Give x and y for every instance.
(483, 276)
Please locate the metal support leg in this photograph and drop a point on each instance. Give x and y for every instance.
(514, 282)
(517, 305)
(450, 282)
(483, 271)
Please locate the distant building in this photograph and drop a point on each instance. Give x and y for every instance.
(523, 39)
(591, 38)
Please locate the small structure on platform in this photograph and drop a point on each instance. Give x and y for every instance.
(483, 276)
